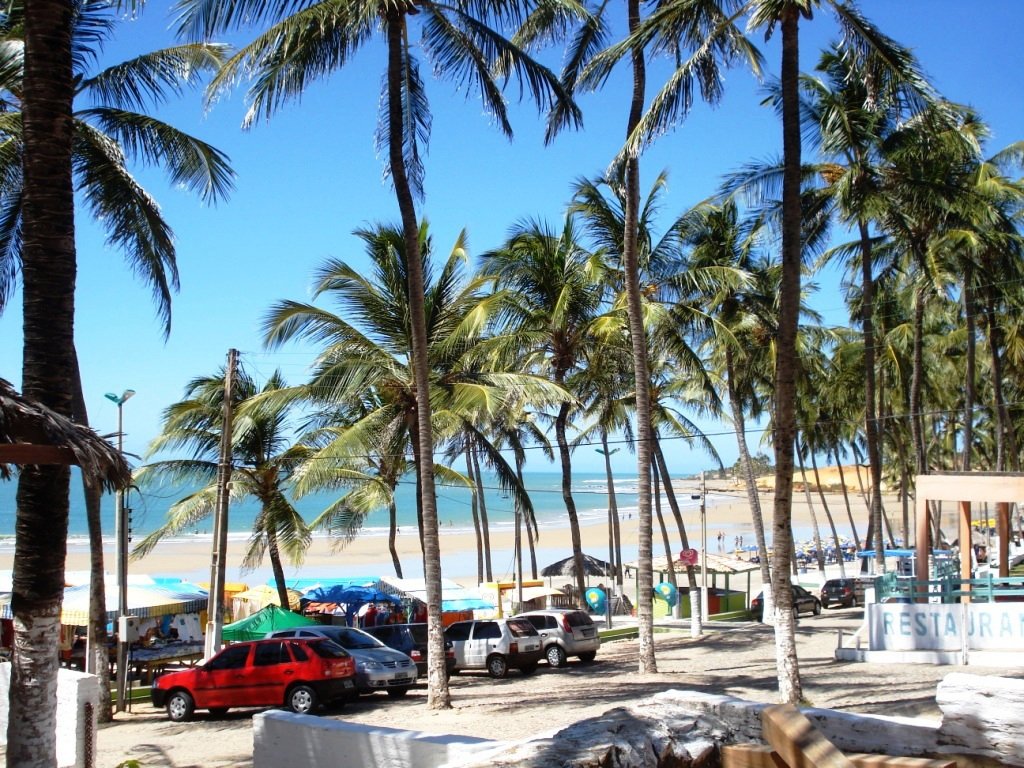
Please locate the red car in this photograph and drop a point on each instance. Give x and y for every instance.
(298, 674)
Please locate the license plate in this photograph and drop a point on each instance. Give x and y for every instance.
(402, 679)
(347, 683)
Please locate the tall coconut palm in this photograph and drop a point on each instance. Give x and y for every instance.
(310, 39)
(889, 63)
(555, 291)
(701, 27)
(363, 371)
(263, 462)
(110, 127)
(737, 294)
(48, 278)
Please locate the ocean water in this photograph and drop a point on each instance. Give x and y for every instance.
(149, 507)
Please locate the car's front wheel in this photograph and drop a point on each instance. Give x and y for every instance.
(555, 655)
(397, 693)
(180, 707)
(497, 667)
(817, 608)
(302, 699)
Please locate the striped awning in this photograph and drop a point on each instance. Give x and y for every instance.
(144, 601)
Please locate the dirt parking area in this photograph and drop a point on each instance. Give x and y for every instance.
(735, 659)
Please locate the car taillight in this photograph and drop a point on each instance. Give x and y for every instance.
(565, 624)
(449, 654)
(416, 655)
(513, 648)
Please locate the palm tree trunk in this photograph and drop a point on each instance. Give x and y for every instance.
(819, 551)
(392, 533)
(613, 513)
(871, 428)
(846, 499)
(970, 394)
(475, 508)
(478, 478)
(750, 480)
(786, 363)
(828, 514)
(277, 567)
(97, 661)
(673, 503)
(1006, 443)
(438, 695)
(561, 421)
(641, 373)
(48, 312)
(669, 564)
(530, 519)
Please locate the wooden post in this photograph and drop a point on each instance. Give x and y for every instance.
(922, 512)
(966, 549)
(799, 744)
(1003, 531)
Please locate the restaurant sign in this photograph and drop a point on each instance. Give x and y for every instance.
(942, 627)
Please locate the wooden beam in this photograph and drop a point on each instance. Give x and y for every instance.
(763, 756)
(33, 453)
(799, 743)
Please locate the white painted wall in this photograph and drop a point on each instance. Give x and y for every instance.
(76, 722)
(284, 738)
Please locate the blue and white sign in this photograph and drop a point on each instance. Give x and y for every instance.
(940, 627)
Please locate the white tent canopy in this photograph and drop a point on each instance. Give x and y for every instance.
(454, 596)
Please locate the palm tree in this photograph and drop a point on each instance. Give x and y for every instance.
(312, 39)
(48, 275)
(888, 63)
(263, 463)
(110, 127)
(728, 278)
(555, 291)
(588, 68)
(362, 376)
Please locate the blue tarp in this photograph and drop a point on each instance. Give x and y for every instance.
(326, 582)
(346, 594)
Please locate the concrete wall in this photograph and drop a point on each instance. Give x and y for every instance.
(78, 697)
(284, 738)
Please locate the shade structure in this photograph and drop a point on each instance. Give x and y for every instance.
(592, 566)
(454, 596)
(252, 600)
(347, 594)
(269, 619)
(144, 601)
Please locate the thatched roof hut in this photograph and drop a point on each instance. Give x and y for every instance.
(31, 433)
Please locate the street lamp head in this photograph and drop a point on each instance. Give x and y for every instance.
(120, 400)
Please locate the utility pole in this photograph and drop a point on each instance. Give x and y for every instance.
(704, 547)
(215, 620)
(121, 555)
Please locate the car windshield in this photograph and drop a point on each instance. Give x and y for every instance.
(353, 639)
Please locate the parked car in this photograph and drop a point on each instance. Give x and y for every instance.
(565, 632)
(843, 592)
(803, 602)
(377, 666)
(495, 645)
(295, 673)
(411, 639)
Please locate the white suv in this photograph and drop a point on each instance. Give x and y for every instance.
(565, 632)
(495, 645)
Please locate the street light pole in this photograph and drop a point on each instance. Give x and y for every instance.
(611, 535)
(121, 555)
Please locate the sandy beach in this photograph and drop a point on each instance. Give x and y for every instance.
(189, 557)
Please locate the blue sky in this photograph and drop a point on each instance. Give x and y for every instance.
(310, 176)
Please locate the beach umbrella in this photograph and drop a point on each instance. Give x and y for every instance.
(251, 600)
(592, 566)
(268, 619)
